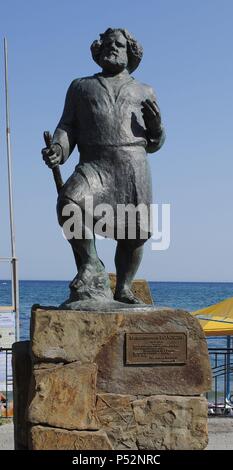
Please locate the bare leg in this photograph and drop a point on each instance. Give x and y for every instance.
(91, 279)
(85, 253)
(127, 260)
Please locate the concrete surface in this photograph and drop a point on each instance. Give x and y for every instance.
(220, 433)
(7, 437)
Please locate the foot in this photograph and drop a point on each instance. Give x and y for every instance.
(91, 282)
(86, 274)
(126, 295)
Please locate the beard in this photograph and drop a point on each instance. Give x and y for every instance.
(113, 63)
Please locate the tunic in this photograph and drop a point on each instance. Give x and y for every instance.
(112, 139)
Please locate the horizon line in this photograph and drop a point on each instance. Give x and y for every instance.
(141, 279)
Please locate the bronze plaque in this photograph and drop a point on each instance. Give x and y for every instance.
(156, 348)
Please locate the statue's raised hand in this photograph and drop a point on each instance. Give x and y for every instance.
(151, 116)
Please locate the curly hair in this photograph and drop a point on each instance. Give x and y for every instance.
(134, 49)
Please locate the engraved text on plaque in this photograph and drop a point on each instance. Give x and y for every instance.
(156, 348)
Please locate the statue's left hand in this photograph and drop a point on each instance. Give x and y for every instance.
(151, 116)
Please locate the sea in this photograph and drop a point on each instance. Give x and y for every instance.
(189, 296)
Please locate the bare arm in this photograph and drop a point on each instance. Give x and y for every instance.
(65, 135)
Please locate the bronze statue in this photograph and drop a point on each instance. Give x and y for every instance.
(115, 121)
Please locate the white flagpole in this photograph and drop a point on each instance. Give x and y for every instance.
(14, 260)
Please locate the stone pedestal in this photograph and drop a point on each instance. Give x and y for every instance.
(131, 379)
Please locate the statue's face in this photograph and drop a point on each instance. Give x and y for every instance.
(114, 56)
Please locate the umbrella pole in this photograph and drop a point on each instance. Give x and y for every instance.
(228, 369)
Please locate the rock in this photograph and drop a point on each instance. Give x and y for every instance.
(159, 422)
(22, 369)
(69, 336)
(100, 338)
(47, 365)
(171, 423)
(64, 397)
(116, 417)
(45, 438)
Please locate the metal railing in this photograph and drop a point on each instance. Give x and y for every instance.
(220, 398)
(6, 380)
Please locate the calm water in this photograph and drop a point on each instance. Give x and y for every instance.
(187, 295)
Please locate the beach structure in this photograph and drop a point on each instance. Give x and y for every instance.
(217, 320)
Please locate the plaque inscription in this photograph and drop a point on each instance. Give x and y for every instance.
(156, 348)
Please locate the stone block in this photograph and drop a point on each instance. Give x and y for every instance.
(64, 397)
(68, 335)
(46, 438)
(159, 422)
(22, 370)
(171, 423)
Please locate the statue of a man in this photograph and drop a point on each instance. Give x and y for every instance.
(115, 121)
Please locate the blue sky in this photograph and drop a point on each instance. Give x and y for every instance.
(188, 61)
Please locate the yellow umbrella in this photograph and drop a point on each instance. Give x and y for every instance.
(217, 320)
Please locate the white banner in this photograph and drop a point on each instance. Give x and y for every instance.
(7, 338)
